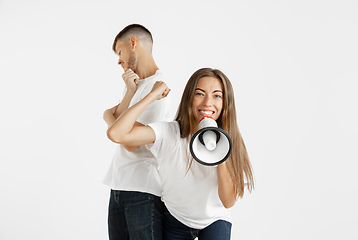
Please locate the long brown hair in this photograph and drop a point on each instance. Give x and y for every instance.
(238, 163)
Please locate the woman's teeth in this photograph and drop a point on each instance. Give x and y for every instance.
(206, 112)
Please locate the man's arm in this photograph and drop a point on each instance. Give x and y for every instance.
(108, 115)
(123, 130)
(111, 115)
(109, 118)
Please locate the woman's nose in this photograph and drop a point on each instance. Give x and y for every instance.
(207, 101)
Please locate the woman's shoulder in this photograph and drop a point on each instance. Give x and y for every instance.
(167, 138)
(167, 127)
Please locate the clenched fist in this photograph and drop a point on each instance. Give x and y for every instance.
(130, 79)
(160, 90)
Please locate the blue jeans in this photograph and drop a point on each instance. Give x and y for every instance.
(175, 230)
(135, 216)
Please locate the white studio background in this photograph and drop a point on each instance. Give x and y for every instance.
(293, 65)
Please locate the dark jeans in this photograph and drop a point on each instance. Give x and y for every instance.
(135, 216)
(175, 230)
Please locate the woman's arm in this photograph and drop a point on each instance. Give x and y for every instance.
(109, 118)
(226, 187)
(125, 132)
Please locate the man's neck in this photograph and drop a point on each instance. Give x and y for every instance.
(146, 67)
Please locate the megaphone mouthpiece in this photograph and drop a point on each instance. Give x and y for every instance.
(207, 122)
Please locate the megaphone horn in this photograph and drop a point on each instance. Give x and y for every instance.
(210, 145)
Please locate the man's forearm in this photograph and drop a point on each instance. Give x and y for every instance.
(108, 117)
(124, 104)
(124, 124)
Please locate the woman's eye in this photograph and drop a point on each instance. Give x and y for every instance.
(199, 94)
(217, 96)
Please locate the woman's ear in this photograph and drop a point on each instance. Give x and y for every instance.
(134, 42)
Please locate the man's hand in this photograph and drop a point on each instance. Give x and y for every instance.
(130, 79)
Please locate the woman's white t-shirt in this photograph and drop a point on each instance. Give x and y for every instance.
(191, 196)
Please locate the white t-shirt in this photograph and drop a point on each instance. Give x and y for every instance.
(190, 196)
(137, 170)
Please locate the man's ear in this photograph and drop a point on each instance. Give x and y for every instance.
(134, 42)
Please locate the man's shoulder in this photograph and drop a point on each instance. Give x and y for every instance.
(158, 76)
(150, 81)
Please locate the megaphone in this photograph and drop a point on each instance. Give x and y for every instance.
(210, 145)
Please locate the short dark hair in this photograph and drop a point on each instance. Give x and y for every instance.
(135, 30)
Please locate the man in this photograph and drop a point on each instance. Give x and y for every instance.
(135, 209)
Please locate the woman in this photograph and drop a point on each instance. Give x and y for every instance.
(196, 197)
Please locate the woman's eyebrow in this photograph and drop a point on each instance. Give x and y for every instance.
(204, 90)
(199, 89)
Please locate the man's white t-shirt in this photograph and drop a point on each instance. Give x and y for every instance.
(137, 170)
(190, 196)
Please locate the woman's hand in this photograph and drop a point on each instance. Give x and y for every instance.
(226, 187)
(160, 90)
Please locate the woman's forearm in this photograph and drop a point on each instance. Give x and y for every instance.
(110, 119)
(123, 125)
(226, 186)
(123, 130)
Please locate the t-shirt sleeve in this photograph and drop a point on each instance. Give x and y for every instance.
(166, 138)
